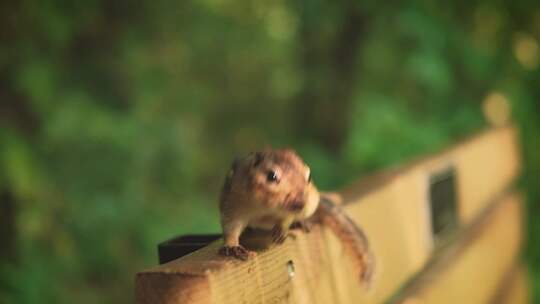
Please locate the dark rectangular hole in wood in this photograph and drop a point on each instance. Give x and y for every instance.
(182, 245)
(442, 196)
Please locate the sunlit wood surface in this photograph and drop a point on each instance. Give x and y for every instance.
(517, 288)
(394, 211)
(472, 268)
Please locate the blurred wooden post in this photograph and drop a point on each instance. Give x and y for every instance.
(398, 211)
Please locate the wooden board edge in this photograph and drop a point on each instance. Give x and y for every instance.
(156, 287)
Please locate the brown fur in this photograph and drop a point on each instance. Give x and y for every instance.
(249, 199)
(354, 240)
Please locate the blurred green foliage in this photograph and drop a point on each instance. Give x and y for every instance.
(118, 120)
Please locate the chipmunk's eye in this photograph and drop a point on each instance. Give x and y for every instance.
(271, 176)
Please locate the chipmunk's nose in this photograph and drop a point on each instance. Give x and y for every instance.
(294, 203)
(296, 206)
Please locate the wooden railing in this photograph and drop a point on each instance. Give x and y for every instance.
(443, 229)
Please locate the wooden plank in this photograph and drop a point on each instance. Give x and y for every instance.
(396, 213)
(472, 269)
(393, 208)
(516, 290)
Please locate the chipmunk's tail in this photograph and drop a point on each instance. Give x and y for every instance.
(351, 236)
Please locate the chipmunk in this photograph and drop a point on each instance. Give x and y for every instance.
(273, 190)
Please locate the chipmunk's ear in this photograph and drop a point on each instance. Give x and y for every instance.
(255, 158)
(236, 163)
(234, 167)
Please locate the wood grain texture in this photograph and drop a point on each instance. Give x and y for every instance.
(471, 269)
(516, 290)
(392, 208)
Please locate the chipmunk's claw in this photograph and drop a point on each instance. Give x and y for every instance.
(305, 225)
(279, 235)
(239, 252)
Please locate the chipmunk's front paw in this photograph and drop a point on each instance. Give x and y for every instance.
(238, 252)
